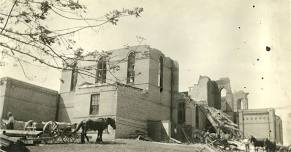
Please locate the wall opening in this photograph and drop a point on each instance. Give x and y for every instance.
(197, 117)
(239, 104)
(130, 68)
(161, 73)
(223, 99)
(101, 71)
(223, 93)
(74, 77)
(181, 113)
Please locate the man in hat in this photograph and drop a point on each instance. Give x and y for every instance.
(10, 123)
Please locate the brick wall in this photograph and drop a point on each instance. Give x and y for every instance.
(75, 106)
(227, 102)
(279, 130)
(240, 100)
(118, 58)
(27, 101)
(199, 91)
(153, 104)
(288, 129)
(135, 108)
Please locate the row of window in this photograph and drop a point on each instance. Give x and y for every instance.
(255, 118)
(102, 69)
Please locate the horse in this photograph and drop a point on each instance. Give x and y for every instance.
(270, 146)
(257, 143)
(95, 125)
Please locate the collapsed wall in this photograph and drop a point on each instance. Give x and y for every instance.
(219, 120)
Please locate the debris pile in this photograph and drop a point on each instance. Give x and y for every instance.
(220, 121)
(226, 134)
(139, 135)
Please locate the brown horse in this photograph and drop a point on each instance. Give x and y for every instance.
(270, 146)
(95, 125)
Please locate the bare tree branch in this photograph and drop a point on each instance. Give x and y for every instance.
(30, 35)
(9, 16)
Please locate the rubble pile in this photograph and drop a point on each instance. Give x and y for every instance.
(220, 121)
(227, 134)
(139, 135)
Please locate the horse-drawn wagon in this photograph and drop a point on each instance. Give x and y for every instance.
(44, 132)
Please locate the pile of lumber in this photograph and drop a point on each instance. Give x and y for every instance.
(222, 119)
(218, 119)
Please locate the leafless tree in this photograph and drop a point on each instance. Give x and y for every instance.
(27, 35)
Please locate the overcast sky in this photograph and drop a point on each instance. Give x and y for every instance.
(217, 39)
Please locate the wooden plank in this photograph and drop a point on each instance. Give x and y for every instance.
(175, 141)
(20, 133)
(185, 135)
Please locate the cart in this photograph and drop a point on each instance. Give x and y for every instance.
(45, 132)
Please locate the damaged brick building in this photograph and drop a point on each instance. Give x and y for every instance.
(218, 94)
(143, 90)
(141, 93)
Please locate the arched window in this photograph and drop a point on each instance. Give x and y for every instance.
(239, 104)
(74, 77)
(181, 112)
(223, 99)
(101, 71)
(223, 93)
(160, 74)
(130, 68)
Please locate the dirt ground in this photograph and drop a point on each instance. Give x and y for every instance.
(120, 145)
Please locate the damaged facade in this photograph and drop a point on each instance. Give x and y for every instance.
(141, 94)
(206, 96)
(218, 94)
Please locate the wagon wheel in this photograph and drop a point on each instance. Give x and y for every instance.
(69, 137)
(51, 132)
(29, 125)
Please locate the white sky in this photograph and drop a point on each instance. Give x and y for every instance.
(205, 38)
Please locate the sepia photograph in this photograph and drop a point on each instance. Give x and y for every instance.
(145, 76)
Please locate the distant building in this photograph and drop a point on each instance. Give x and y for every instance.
(27, 101)
(240, 100)
(261, 123)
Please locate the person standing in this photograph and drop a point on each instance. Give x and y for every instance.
(246, 142)
(10, 123)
